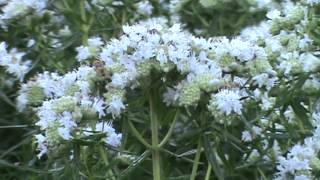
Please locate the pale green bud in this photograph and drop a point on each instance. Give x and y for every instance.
(261, 42)
(113, 92)
(35, 95)
(272, 56)
(228, 62)
(71, 90)
(52, 134)
(315, 164)
(284, 39)
(293, 44)
(208, 83)
(117, 68)
(211, 54)
(64, 104)
(145, 67)
(311, 86)
(276, 26)
(190, 94)
(296, 66)
(296, 16)
(259, 66)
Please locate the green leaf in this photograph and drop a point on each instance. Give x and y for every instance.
(301, 112)
(135, 164)
(211, 156)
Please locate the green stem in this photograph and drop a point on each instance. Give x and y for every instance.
(76, 161)
(196, 161)
(104, 156)
(66, 5)
(155, 141)
(168, 135)
(84, 26)
(138, 135)
(208, 174)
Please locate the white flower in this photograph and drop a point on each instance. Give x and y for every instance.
(13, 63)
(310, 62)
(257, 130)
(302, 177)
(46, 114)
(41, 145)
(31, 42)
(64, 133)
(99, 105)
(22, 101)
(312, 2)
(112, 138)
(66, 125)
(145, 7)
(263, 79)
(228, 101)
(16, 8)
(273, 14)
(67, 121)
(95, 42)
(246, 136)
(120, 79)
(292, 164)
(263, 3)
(83, 53)
(115, 106)
(242, 49)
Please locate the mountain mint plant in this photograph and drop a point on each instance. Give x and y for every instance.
(152, 99)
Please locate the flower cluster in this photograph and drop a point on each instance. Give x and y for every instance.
(262, 84)
(15, 8)
(13, 61)
(66, 108)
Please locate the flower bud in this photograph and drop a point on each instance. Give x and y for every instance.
(35, 95)
(190, 94)
(64, 104)
(315, 164)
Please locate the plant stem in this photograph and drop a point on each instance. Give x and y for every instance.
(138, 135)
(104, 156)
(196, 161)
(76, 160)
(208, 172)
(168, 135)
(84, 26)
(155, 141)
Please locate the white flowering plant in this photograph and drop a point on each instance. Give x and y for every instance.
(157, 102)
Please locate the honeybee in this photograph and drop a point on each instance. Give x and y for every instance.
(100, 68)
(231, 86)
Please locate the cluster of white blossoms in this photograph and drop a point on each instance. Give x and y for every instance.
(201, 62)
(231, 73)
(65, 103)
(13, 61)
(303, 158)
(292, 53)
(15, 8)
(219, 66)
(145, 8)
(66, 109)
(90, 50)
